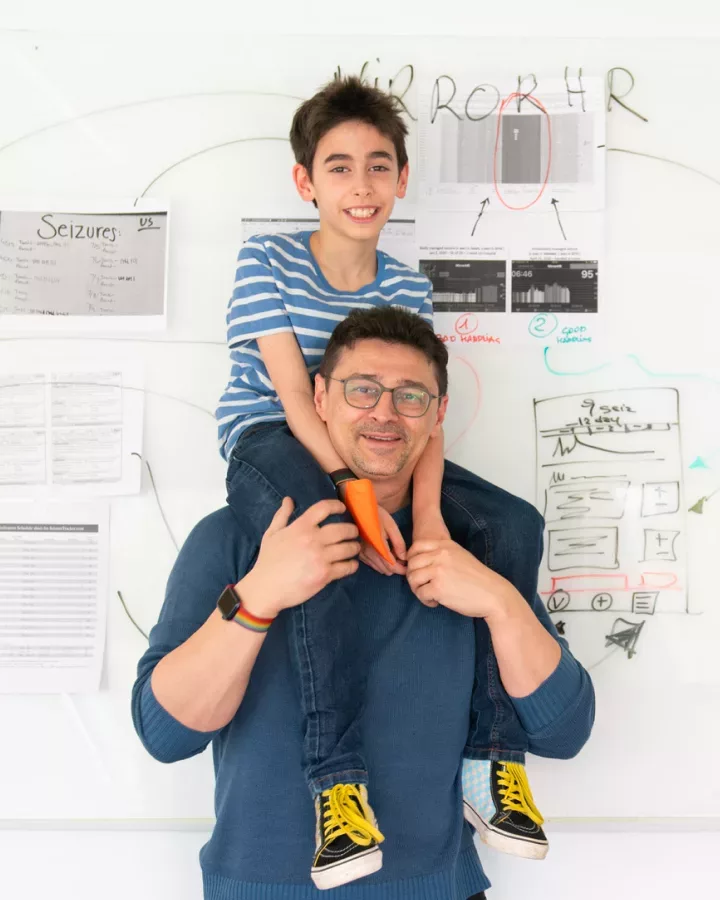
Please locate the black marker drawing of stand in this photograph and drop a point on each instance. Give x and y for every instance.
(625, 638)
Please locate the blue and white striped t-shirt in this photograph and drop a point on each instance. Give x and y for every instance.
(279, 287)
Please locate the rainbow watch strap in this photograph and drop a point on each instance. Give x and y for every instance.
(251, 622)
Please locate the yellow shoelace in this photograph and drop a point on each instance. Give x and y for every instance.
(516, 794)
(343, 816)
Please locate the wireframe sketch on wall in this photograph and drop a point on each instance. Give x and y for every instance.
(70, 431)
(609, 483)
(512, 142)
(86, 269)
(53, 591)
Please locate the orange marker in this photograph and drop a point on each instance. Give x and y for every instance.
(362, 505)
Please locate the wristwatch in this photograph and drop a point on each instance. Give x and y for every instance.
(229, 603)
(340, 476)
(232, 610)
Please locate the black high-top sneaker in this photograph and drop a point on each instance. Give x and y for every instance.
(346, 837)
(498, 803)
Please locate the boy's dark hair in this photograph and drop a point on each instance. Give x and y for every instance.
(396, 326)
(346, 99)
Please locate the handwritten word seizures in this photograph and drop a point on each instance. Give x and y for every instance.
(76, 232)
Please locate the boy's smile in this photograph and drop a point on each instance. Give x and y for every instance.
(362, 214)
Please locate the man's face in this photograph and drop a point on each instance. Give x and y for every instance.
(355, 180)
(379, 443)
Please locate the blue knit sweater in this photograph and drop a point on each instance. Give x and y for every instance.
(415, 725)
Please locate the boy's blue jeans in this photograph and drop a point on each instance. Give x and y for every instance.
(266, 464)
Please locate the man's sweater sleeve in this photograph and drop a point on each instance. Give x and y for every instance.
(558, 716)
(210, 559)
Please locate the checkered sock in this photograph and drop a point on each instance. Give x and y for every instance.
(477, 788)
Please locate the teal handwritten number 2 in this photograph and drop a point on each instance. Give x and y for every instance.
(542, 325)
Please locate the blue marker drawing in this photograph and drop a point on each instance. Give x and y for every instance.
(647, 371)
(633, 358)
(701, 462)
(582, 372)
(543, 325)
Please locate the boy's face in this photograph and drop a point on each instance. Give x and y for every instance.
(355, 180)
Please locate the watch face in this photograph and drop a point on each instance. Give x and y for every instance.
(229, 603)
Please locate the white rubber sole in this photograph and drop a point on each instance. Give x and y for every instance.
(524, 847)
(343, 872)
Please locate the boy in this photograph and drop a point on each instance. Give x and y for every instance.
(290, 292)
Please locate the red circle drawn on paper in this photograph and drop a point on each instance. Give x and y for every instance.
(505, 102)
(471, 323)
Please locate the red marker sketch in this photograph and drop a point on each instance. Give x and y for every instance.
(476, 407)
(503, 105)
(466, 324)
(596, 581)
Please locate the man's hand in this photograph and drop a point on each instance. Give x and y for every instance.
(443, 572)
(298, 560)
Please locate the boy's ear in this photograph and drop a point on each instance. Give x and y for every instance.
(301, 177)
(402, 182)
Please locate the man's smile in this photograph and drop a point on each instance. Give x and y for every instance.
(381, 440)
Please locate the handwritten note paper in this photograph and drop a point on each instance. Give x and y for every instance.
(82, 270)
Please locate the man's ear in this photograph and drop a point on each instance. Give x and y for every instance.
(442, 411)
(320, 397)
(301, 177)
(402, 182)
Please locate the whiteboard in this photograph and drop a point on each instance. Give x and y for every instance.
(145, 130)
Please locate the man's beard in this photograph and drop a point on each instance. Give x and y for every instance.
(379, 466)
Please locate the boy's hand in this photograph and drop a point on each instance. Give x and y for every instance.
(396, 544)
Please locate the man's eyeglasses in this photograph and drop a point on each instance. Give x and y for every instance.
(365, 393)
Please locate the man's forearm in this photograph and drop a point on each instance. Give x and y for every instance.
(526, 653)
(202, 682)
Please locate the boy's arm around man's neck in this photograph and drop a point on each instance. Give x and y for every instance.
(288, 372)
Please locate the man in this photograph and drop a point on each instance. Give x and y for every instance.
(204, 679)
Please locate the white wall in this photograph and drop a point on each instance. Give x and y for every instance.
(556, 18)
(82, 865)
(656, 864)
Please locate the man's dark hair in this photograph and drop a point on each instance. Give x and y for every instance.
(396, 326)
(346, 99)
